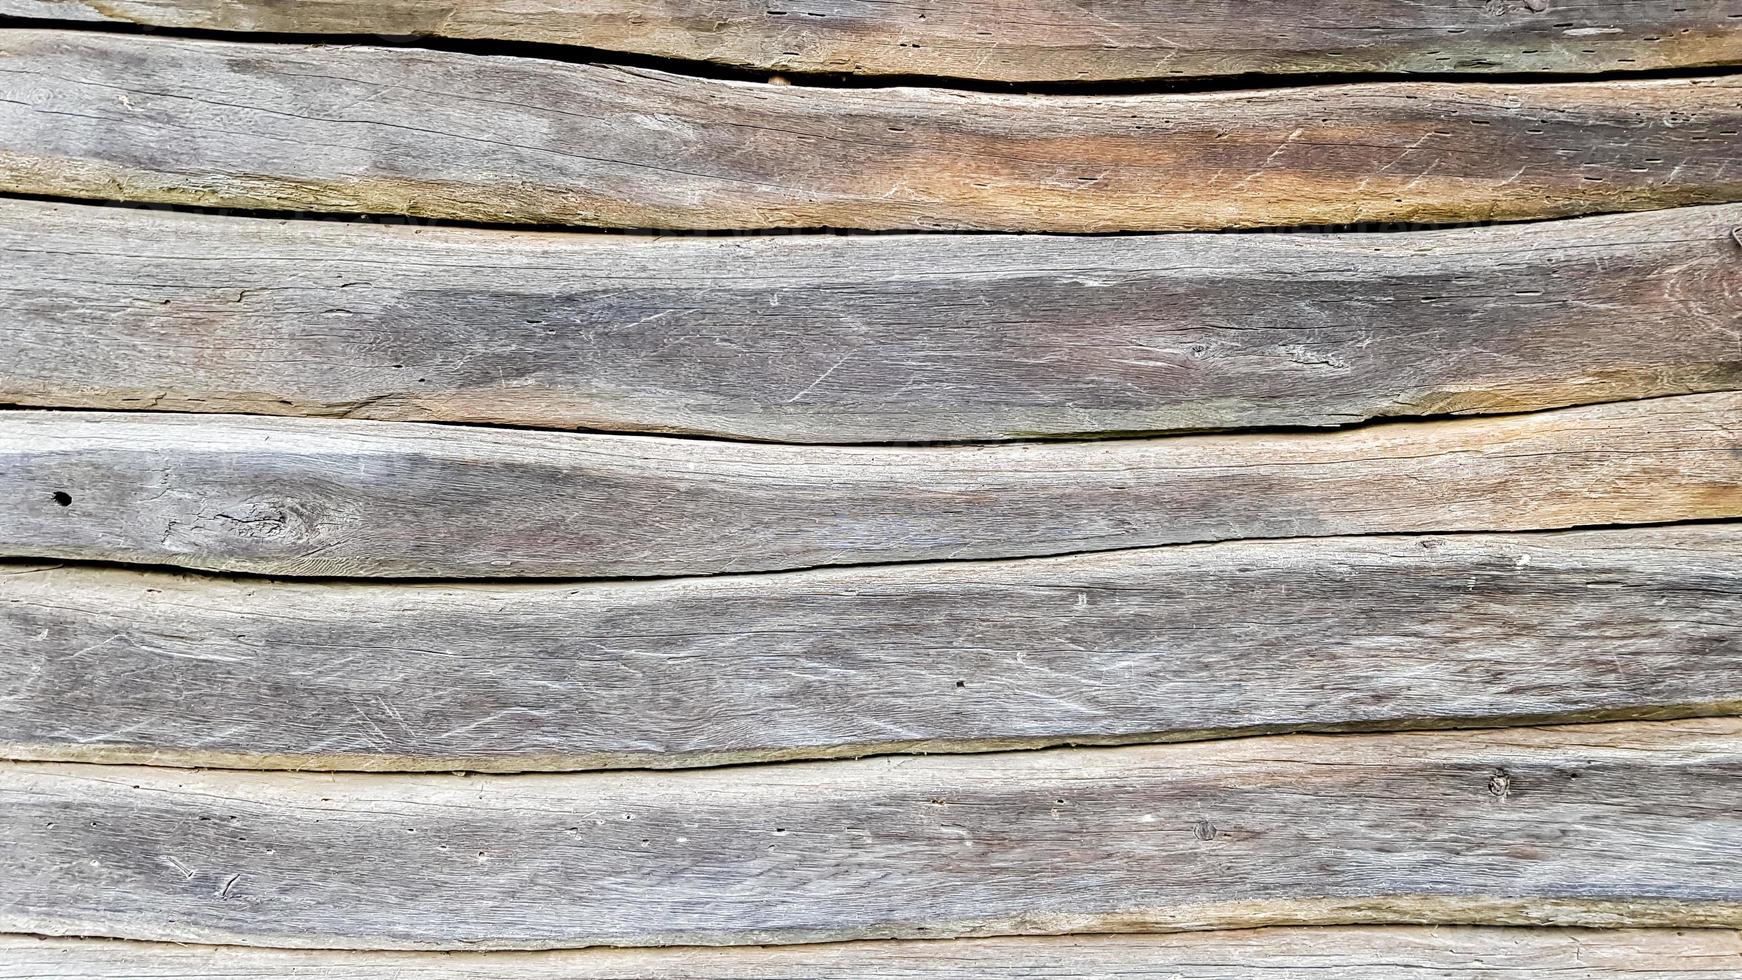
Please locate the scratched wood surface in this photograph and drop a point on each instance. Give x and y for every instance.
(482, 695)
(1026, 40)
(110, 665)
(401, 499)
(1613, 824)
(1348, 953)
(860, 339)
(501, 139)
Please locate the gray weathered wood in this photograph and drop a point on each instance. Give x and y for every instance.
(1346, 953)
(1622, 824)
(447, 135)
(1028, 40)
(108, 665)
(401, 499)
(832, 339)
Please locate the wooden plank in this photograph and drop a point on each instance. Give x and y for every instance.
(500, 139)
(860, 339)
(401, 499)
(107, 665)
(1615, 825)
(1028, 40)
(1352, 952)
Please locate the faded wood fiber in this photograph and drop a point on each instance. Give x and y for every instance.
(839, 340)
(445, 626)
(1348, 953)
(400, 499)
(108, 665)
(501, 139)
(1027, 40)
(1614, 825)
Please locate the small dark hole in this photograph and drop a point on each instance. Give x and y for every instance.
(961, 683)
(63, 498)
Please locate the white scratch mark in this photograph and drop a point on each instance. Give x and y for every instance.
(821, 378)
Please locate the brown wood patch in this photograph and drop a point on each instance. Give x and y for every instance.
(498, 139)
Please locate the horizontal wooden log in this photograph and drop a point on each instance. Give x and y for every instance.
(1018, 41)
(108, 665)
(447, 135)
(857, 339)
(1615, 825)
(1348, 953)
(400, 499)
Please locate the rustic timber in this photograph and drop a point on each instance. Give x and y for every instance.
(1345, 952)
(109, 665)
(1027, 40)
(501, 139)
(401, 499)
(1616, 825)
(855, 339)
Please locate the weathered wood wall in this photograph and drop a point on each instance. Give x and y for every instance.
(1183, 634)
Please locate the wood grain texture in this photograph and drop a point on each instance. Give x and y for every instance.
(108, 665)
(446, 135)
(400, 499)
(1348, 953)
(1614, 825)
(855, 339)
(1028, 40)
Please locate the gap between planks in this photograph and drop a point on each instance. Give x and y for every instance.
(720, 71)
(1159, 42)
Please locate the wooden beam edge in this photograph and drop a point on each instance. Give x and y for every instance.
(1272, 953)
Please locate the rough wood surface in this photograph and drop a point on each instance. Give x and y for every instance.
(885, 339)
(1347, 953)
(447, 135)
(108, 665)
(1028, 40)
(401, 499)
(1617, 825)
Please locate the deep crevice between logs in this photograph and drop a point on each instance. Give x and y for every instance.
(728, 72)
(344, 413)
(22, 564)
(157, 757)
(656, 232)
